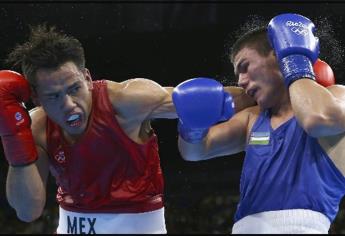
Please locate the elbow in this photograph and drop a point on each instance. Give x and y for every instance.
(29, 212)
(191, 157)
(28, 215)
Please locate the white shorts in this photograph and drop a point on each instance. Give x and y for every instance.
(294, 221)
(152, 222)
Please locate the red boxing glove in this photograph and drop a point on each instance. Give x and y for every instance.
(323, 73)
(15, 131)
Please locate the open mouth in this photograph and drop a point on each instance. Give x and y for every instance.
(74, 120)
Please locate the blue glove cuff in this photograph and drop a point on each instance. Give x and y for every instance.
(295, 67)
(228, 108)
(191, 135)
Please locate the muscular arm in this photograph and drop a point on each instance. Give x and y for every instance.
(141, 99)
(26, 190)
(320, 111)
(26, 185)
(146, 99)
(165, 107)
(222, 139)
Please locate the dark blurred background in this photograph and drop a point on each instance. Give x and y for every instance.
(167, 42)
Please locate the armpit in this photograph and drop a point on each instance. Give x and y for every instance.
(334, 146)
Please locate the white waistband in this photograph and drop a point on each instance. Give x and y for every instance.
(294, 221)
(152, 222)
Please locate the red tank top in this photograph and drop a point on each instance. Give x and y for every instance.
(105, 171)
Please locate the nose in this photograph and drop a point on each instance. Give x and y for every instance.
(243, 80)
(68, 103)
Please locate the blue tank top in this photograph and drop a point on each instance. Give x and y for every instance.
(287, 169)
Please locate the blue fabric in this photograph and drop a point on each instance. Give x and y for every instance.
(292, 34)
(295, 67)
(200, 103)
(296, 47)
(287, 169)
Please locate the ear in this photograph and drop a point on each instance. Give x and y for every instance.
(88, 78)
(272, 53)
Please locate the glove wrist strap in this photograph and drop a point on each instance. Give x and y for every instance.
(191, 135)
(295, 67)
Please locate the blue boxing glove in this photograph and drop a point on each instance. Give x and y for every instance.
(296, 47)
(200, 103)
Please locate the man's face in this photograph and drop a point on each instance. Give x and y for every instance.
(65, 95)
(259, 76)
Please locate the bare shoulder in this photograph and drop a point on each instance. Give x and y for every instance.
(114, 89)
(339, 87)
(337, 90)
(248, 116)
(250, 112)
(138, 96)
(254, 110)
(38, 126)
(135, 87)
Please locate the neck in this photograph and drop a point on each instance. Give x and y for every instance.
(283, 107)
(281, 113)
(282, 110)
(71, 138)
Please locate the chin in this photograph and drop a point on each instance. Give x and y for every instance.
(75, 130)
(262, 104)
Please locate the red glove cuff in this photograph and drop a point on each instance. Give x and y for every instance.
(323, 73)
(20, 149)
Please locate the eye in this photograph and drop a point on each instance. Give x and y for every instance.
(243, 67)
(53, 97)
(75, 89)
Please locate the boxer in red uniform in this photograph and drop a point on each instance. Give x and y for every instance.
(94, 137)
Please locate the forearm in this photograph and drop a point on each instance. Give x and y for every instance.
(223, 139)
(318, 111)
(26, 192)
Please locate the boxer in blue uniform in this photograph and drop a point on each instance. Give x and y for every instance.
(293, 173)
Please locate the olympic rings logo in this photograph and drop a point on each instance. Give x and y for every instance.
(298, 28)
(60, 157)
(299, 31)
(19, 118)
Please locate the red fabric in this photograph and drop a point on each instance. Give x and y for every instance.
(20, 148)
(15, 131)
(105, 171)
